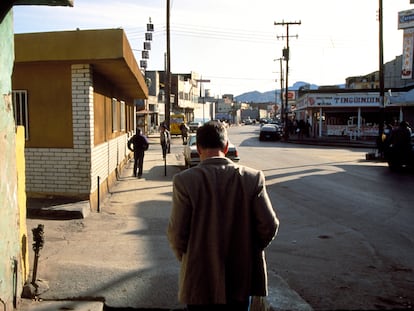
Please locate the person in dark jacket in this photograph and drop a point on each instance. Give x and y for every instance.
(184, 132)
(138, 144)
(165, 140)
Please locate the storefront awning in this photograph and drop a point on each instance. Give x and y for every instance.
(399, 98)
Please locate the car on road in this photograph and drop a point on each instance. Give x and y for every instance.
(249, 121)
(192, 158)
(270, 132)
(194, 126)
(264, 121)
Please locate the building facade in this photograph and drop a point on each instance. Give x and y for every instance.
(358, 110)
(185, 95)
(74, 92)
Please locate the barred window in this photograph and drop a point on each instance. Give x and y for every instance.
(21, 114)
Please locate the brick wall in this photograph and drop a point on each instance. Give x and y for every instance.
(107, 158)
(74, 171)
(66, 171)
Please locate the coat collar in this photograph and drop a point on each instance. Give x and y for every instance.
(217, 161)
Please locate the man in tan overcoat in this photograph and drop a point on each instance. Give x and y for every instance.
(221, 222)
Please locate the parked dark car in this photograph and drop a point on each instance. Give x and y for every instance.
(270, 132)
(249, 121)
(192, 158)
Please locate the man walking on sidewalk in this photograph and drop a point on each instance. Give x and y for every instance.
(165, 140)
(221, 222)
(140, 145)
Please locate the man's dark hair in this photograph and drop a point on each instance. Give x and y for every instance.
(212, 135)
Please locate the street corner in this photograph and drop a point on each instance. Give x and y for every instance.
(43, 305)
(56, 209)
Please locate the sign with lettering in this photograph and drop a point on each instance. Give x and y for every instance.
(407, 57)
(338, 100)
(406, 19)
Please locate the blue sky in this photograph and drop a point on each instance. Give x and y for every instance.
(234, 42)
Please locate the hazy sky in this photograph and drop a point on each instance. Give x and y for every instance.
(234, 42)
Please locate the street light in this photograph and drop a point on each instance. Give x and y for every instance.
(201, 81)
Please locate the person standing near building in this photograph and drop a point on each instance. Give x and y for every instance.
(165, 140)
(138, 144)
(400, 139)
(221, 222)
(184, 132)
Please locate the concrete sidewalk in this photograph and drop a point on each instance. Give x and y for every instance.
(120, 257)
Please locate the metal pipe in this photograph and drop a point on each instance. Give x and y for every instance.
(38, 238)
(99, 194)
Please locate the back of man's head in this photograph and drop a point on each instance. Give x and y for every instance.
(212, 135)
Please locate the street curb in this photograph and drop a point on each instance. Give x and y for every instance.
(44, 305)
(333, 143)
(77, 210)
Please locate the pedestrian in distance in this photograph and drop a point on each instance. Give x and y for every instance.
(220, 224)
(165, 140)
(184, 132)
(400, 139)
(301, 128)
(138, 144)
(308, 128)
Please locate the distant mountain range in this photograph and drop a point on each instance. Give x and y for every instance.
(258, 97)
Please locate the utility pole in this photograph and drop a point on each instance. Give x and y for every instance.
(381, 71)
(286, 57)
(168, 71)
(281, 86)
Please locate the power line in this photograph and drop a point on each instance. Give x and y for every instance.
(239, 78)
(209, 33)
(243, 35)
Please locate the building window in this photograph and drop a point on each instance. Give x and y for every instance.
(21, 115)
(114, 115)
(123, 116)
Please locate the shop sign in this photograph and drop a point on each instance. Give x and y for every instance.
(406, 19)
(362, 101)
(407, 57)
(341, 100)
(291, 95)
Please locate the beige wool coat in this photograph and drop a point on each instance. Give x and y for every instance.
(221, 222)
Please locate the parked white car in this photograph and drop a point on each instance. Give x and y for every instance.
(192, 158)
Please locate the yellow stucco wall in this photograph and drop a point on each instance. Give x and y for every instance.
(21, 202)
(104, 93)
(48, 87)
